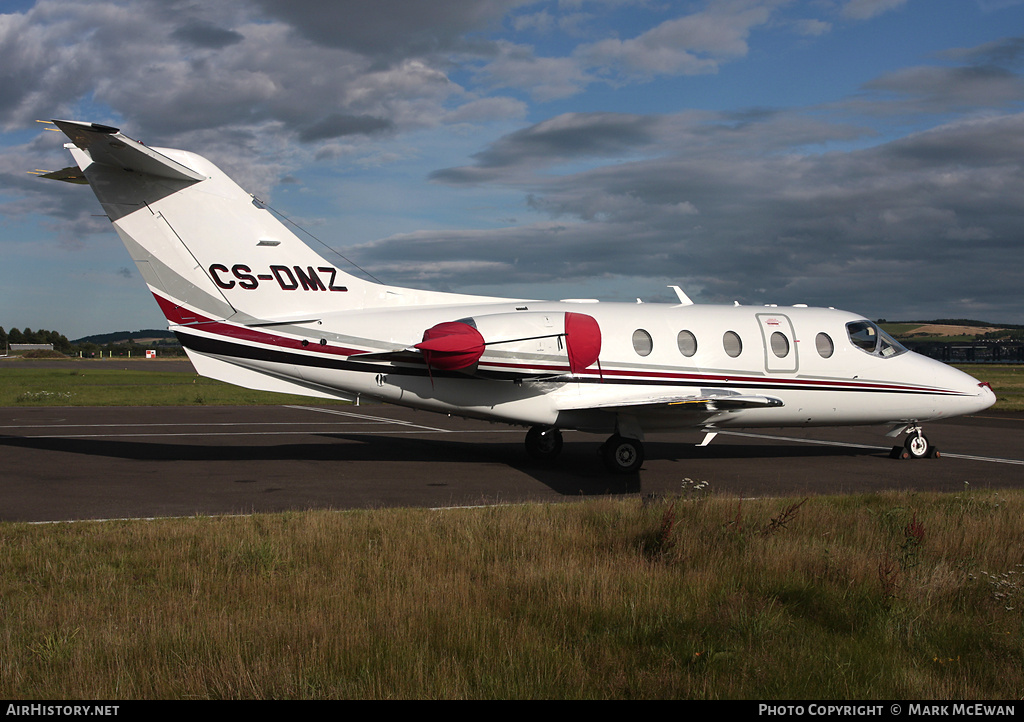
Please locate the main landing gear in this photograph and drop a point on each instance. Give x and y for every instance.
(916, 446)
(620, 454)
(543, 442)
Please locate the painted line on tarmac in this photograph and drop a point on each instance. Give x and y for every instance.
(171, 426)
(375, 432)
(947, 455)
(377, 419)
(357, 420)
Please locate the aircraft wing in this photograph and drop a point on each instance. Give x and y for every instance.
(414, 355)
(709, 400)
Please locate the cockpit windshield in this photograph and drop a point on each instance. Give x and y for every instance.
(871, 339)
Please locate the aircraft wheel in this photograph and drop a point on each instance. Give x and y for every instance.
(917, 446)
(543, 442)
(622, 455)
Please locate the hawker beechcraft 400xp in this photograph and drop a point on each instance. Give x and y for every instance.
(256, 307)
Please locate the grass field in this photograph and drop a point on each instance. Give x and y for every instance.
(887, 596)
(96, 385)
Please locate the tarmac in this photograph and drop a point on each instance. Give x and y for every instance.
(77, 463)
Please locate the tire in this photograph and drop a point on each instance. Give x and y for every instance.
(917, 446)
(622, 455)
(543, 443)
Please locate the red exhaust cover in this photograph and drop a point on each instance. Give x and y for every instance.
(582, 340)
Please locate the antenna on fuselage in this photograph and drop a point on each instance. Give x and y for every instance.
(684, 300)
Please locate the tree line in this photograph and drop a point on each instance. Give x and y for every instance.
(26, 335)
(62, 345)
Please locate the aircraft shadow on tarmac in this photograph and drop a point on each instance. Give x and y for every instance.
(578, 470)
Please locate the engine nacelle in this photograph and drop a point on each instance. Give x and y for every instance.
(526, 335)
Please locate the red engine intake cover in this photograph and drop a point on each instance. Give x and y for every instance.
(451, 346)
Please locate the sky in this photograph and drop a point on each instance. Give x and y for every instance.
(861, 154)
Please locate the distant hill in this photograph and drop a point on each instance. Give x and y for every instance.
(146, 335)
(952, 330)
(961, 322)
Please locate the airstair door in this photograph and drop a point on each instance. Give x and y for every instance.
(780, 346)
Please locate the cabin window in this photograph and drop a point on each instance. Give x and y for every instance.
(869, 338)
(731, 342)
(687, 343)
(780, 344)
(823, 343)
(642, 342)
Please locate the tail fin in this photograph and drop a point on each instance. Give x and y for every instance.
(205, 247)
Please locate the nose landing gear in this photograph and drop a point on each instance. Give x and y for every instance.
(916, 446)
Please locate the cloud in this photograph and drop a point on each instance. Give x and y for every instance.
(571, 136)
(812, 27)
(390, 29)
(340, 124)
(935, 89)
(986, 78)
(908, 220)
(219, 79)
(545, 78)
(689, 45)
(1005, 52)
(173, 68)
(206, 35)
(486, 110)
(866, 9)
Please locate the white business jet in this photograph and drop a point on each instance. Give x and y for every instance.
(256, 307)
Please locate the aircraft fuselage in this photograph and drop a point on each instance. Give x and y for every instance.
(255, 306)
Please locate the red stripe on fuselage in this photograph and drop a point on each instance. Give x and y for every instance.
(179, 315)
(184, 317)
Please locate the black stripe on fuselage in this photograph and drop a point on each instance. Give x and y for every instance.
(222, 347)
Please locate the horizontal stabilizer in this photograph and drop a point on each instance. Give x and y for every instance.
(71, 174)
(107, 146)
(407, 355)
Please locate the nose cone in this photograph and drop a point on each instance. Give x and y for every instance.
(986, 398)
(967, 394)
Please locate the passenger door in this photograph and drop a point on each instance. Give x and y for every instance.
(780, 347)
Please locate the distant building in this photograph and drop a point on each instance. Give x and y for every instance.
(970, 351)
(31, 347)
